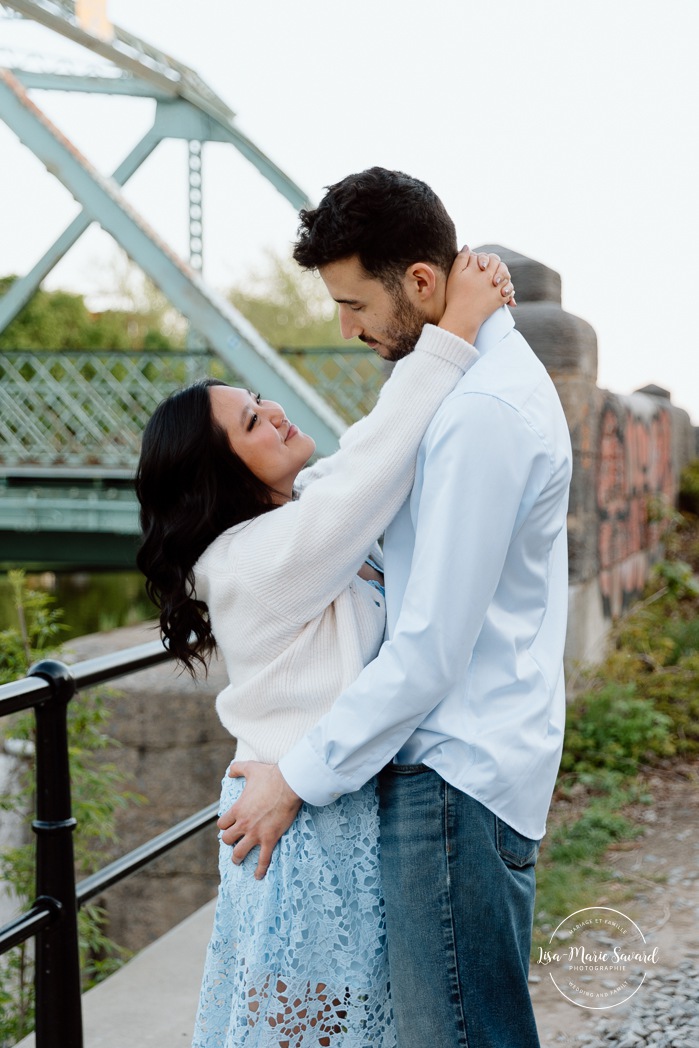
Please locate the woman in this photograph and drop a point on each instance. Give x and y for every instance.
(278, 567)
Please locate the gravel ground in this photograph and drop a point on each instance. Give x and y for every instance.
(660, 871)
(666, 1015)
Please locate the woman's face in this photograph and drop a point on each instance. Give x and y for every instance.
(273, 448)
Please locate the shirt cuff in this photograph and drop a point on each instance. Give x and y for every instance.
(309, 777)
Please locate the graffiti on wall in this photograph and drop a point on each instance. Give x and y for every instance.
(634, 472)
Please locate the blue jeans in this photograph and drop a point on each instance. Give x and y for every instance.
(459, 889)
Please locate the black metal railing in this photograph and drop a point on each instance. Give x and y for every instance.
(53, 916)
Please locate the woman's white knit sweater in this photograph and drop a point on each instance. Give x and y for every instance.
(292, 620)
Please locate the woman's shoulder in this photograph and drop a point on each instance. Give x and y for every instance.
(222, 553)
(253, 549)
(246, 537)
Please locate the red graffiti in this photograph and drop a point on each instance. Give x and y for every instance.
(634, 470)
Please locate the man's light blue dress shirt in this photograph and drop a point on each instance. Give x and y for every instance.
(470, 678)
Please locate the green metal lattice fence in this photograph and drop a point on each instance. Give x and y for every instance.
(87, 410)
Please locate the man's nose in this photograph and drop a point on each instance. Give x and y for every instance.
(349, 324)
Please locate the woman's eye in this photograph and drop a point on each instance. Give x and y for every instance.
(258, 398)
(251, 423)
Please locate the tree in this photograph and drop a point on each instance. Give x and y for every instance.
(289, 307)
(60, 320)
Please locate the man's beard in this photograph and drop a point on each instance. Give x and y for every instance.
(404, 327)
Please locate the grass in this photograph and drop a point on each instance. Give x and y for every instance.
(571, 872)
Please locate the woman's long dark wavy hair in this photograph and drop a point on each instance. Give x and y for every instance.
(191, 486)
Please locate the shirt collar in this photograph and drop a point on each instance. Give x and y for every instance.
(494, 329)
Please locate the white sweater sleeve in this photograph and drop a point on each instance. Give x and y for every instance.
(299, 557)
(320, 468)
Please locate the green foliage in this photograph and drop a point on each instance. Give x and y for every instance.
(38, 627)
(689, 488)
(96, 787)
(614, 729)
(639, 708)
(289, 307)
(59, 320)
(571, 872)
(677, 577)
(657, 651)
(586, 840)
(102, 601)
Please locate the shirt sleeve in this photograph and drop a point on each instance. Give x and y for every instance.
(483, 469)
(301, 556)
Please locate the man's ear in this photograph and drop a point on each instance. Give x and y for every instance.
(421, 282)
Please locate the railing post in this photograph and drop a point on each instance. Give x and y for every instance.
(57, 978)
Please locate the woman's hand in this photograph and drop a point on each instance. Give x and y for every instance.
(477, 285)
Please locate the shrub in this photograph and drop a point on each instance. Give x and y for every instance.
(689, 488)
(96, 788)
(615, 729)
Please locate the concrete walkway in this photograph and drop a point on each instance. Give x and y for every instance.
(151, 1002)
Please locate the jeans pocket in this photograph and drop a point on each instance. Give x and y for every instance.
(406, 769)
(515, 849)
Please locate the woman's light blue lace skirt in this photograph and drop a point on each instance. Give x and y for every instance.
(298, 959)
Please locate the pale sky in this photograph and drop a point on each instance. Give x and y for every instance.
(563, 130)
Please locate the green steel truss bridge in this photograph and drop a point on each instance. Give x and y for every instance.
(71, 431)
(70, 424)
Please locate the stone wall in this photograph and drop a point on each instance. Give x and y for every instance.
(628, 452)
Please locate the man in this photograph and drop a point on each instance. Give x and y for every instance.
(463, 708)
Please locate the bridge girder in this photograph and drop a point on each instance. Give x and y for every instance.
(186, 108)
(228, 333)
(146, 70)
(21, 291)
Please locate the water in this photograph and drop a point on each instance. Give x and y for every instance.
(90, 602)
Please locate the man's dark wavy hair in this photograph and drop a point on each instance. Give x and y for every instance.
(386, 218)
(191, 486)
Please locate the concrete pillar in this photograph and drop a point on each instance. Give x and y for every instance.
(567, 346)
(628, 452)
